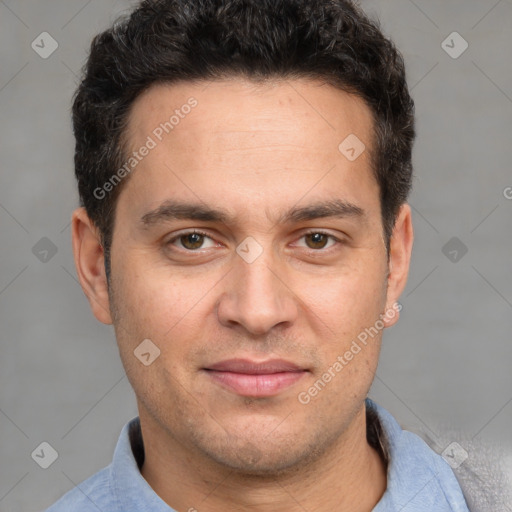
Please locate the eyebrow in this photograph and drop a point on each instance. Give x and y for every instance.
(178, 210)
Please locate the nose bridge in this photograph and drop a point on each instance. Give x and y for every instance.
(258, 278)
(257, 297)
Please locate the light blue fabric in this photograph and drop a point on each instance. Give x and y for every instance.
(419, 480)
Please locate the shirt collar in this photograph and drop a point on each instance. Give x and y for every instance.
(417, 477)
(132, 490)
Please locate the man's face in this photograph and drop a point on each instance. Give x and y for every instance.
(261, 284)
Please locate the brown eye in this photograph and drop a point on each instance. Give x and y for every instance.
(318, 240)
(192, 241)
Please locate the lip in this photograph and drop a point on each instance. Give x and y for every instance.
(255, 379)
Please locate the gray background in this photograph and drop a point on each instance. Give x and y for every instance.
(447, 362)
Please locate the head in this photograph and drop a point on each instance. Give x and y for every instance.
(281, 132)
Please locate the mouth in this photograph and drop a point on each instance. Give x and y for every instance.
(255, 379)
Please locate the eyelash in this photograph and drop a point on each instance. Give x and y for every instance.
(202, 233)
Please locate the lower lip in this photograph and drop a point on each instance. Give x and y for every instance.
(260, 385)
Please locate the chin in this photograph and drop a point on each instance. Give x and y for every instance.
(255, 463)
(265, 459)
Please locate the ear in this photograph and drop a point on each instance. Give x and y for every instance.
(399, 260)
(90, 264)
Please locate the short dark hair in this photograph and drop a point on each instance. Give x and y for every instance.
(168, 41)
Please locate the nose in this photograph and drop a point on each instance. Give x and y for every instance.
(257, 297)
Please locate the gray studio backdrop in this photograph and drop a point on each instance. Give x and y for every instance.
(446, 364)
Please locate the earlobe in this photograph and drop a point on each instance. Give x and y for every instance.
(90, 264)
(399, 261)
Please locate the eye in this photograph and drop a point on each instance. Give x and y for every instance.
(194, 240)
(318, 240)
(191, 240)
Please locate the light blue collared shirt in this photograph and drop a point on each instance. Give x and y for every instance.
(418, 479)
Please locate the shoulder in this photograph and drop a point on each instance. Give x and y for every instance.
(453, 464)
(421, 461)
(482, 468)
(118, 482)
(93, 495)
(419, 479)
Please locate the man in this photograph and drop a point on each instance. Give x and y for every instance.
(243, 168)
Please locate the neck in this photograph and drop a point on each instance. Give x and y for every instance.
(349, 476)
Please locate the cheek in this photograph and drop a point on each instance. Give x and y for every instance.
(154, 299)
(163, 313)
(168, 310)
(350, 299)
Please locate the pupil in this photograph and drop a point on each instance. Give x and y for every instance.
(193, 240)
(318, 239)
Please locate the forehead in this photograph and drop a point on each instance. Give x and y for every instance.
(227, 107)
(235, 135)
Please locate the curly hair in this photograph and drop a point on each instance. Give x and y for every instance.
(166, 41)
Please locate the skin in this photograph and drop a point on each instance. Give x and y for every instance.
(255, 151)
